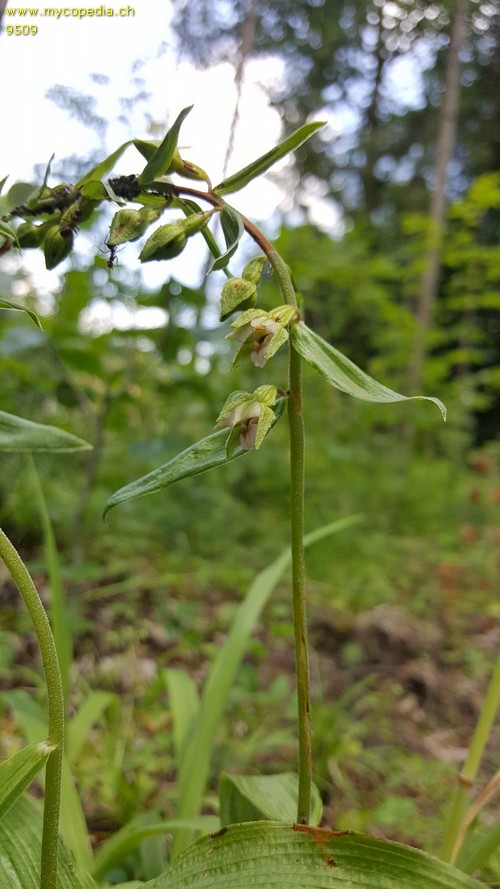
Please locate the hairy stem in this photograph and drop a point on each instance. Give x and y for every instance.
(297, 498)
(39, 619)
(297, 451)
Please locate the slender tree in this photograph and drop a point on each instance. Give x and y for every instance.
(444, 152)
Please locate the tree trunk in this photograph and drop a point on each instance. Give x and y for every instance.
(444, 152)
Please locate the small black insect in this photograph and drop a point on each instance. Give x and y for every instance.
(112, 256)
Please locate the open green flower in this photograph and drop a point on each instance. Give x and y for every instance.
(261, 333)
(249, 416)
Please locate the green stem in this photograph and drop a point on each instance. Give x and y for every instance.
(58, 610)
(297, 452)
(297, 498)
(39, 619)
(461, 798)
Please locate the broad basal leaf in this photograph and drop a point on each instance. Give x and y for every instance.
(18, 434)
(162, 157)
(258, 797)
(342, 373)
(268, 854)
(17, 773)
(20, 849)
(263, 163)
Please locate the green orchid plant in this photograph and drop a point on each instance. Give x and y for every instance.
(255, 846)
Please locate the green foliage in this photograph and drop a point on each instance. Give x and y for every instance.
(17, 773)
(238, 180)
(132, 385)
(264, 853)
(263, 797)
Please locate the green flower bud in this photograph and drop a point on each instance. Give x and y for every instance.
(30, 235)
(187, 169)
(56, 247)
(166, 242)
(253, 269)
(237, 294)
(169, 240)
(194, 223)
(129, 225)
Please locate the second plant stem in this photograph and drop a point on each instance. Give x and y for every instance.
(39, 619)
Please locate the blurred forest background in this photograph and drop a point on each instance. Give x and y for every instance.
(404, 606)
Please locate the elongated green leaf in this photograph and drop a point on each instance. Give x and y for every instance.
(2, 182)
(195, 766)
(33, 200)
(184, 706)
(73, 827)
(18, 434)
(206, 454)
(135, 832)
(17, 773)
(264, 854)
(342, 373)
(259, 797)
(7, 232)
(84, 720)
(477, 850)
(7, 304)
(20, 848)
(200, 457)
(147, 147)
(263, 163)
(162, 158)
(21, 193)
(105, 166)
(232, 226)
(94, 190)
(59, 618)
(189, 207)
